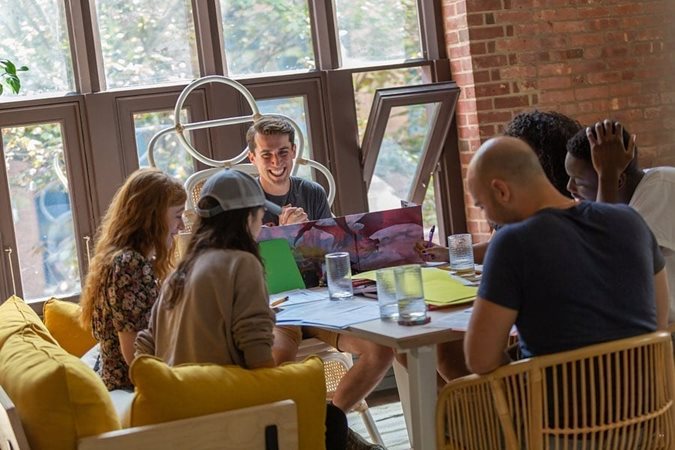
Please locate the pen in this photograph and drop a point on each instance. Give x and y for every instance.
(278, 302)
(431, 235)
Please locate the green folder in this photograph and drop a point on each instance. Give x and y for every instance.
(281, 271)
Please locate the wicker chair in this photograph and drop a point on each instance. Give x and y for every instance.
(615, 395)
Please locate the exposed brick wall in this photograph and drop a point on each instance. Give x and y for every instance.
(588, 59)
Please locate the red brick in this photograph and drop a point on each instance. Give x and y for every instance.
(487, 131)
(483, 33)
(591, 92)
(484, 62)
(554, 97)
(497, 117)
(512, 102)
(604, 77)
(493, 89)
(484, 5)
(555, 82)
(475, 19)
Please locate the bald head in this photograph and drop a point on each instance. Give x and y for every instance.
(506, 158)
(507, 181)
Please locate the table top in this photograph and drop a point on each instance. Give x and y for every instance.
(402, 337)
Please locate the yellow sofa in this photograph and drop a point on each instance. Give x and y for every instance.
(63, 405)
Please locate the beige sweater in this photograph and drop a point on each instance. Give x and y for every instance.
(223, 316)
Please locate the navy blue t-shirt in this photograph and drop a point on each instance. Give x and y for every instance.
(576, 276)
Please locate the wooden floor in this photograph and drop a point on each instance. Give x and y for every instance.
(385, 408)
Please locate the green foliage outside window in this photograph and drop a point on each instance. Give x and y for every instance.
(9, 76)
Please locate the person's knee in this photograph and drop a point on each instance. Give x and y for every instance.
(285, 347)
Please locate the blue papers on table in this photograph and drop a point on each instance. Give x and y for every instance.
(312, 307)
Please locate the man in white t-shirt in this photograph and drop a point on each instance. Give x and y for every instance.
(602, 164)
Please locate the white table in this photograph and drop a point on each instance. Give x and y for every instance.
(419, 344)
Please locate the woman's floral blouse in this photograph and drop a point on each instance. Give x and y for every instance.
(130, 292)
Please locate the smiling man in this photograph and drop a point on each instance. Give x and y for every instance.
(271, 144)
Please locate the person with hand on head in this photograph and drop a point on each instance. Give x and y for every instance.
(214, 308)
(547, 133)
(272, 150)
(134, 247)
(568, 274)
(602, 165)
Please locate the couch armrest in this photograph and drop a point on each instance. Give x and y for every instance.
(11, 430)
(269, 426)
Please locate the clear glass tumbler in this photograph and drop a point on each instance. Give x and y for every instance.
(339, 275)
(460, 247)
(412, 310)
(386, 294)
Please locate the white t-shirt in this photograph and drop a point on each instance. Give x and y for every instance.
(654, 199)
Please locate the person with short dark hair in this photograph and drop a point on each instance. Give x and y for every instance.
(568, 274)
(602, 165)
(272, 149)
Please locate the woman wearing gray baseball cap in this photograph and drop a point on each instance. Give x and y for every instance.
(215, 307)
(217, 294)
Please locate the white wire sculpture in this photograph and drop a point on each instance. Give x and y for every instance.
(235, 163)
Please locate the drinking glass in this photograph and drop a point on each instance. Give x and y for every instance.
(460, 247)
(339, 275)
(386, 294)
(412, 310)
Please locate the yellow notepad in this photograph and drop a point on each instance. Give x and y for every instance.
(440, 289)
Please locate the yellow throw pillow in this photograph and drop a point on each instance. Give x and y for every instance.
(62, 319)
(166, 393)
(58, 398)
(16, 315)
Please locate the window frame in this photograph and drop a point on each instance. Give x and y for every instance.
(68, 114)
(444, 94)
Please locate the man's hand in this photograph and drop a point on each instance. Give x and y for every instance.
(291, 214)
(610, 157)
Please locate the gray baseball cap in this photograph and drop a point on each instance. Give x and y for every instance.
(233, 189)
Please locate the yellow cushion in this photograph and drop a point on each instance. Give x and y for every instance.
(166, 393)
(58, 398)
(62, 319)
(16, 315)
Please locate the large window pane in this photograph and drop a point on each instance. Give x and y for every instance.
(147, 42)
(296, 109)
(41, 210)
(366, 83)
(266, 36)
(377, 31)
(168, 152)
(408, 128)
(34, 34)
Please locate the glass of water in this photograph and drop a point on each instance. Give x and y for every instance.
(461, 254)
(412, 310)
(339, 275)
(386, 294)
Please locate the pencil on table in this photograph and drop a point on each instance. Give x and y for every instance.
(278, 302)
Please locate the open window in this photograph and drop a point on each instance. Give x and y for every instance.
(405, 135)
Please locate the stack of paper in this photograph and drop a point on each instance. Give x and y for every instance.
(313, 307)
(440, 288)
